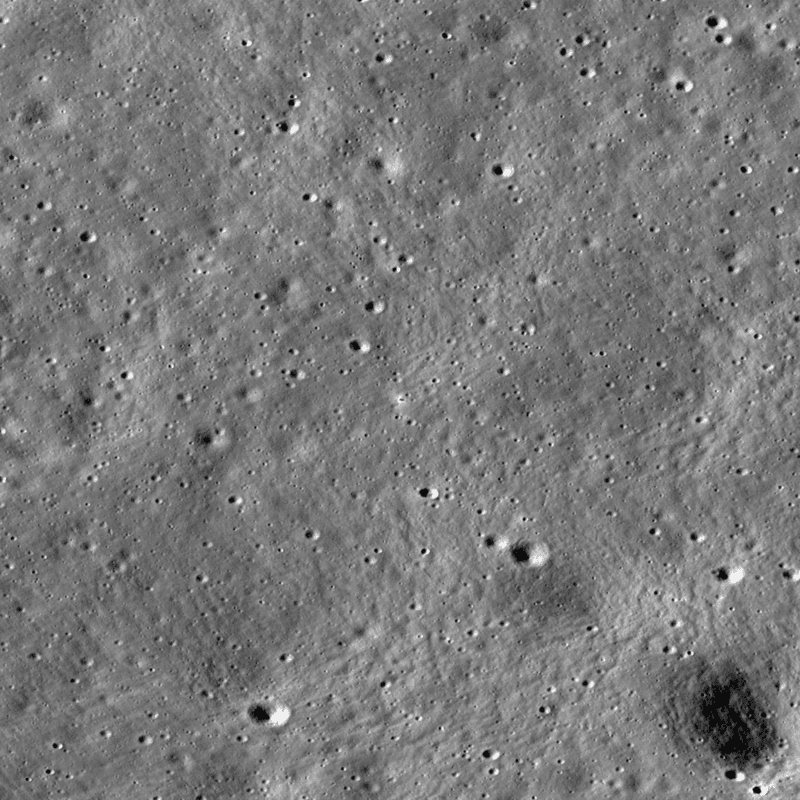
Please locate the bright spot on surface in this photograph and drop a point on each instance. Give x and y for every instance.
(539, 555)
(736, 575)
(279, 715)
(395, 166)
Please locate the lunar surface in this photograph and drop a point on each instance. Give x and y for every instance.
(399, 399)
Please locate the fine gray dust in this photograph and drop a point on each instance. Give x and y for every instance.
(398, 400)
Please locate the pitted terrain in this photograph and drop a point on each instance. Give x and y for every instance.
(397, 399)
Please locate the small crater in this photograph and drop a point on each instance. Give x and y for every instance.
(259, 713)
(521, 553)
(212, 438)
(502, 170)
(275, 715)
(716, 22)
